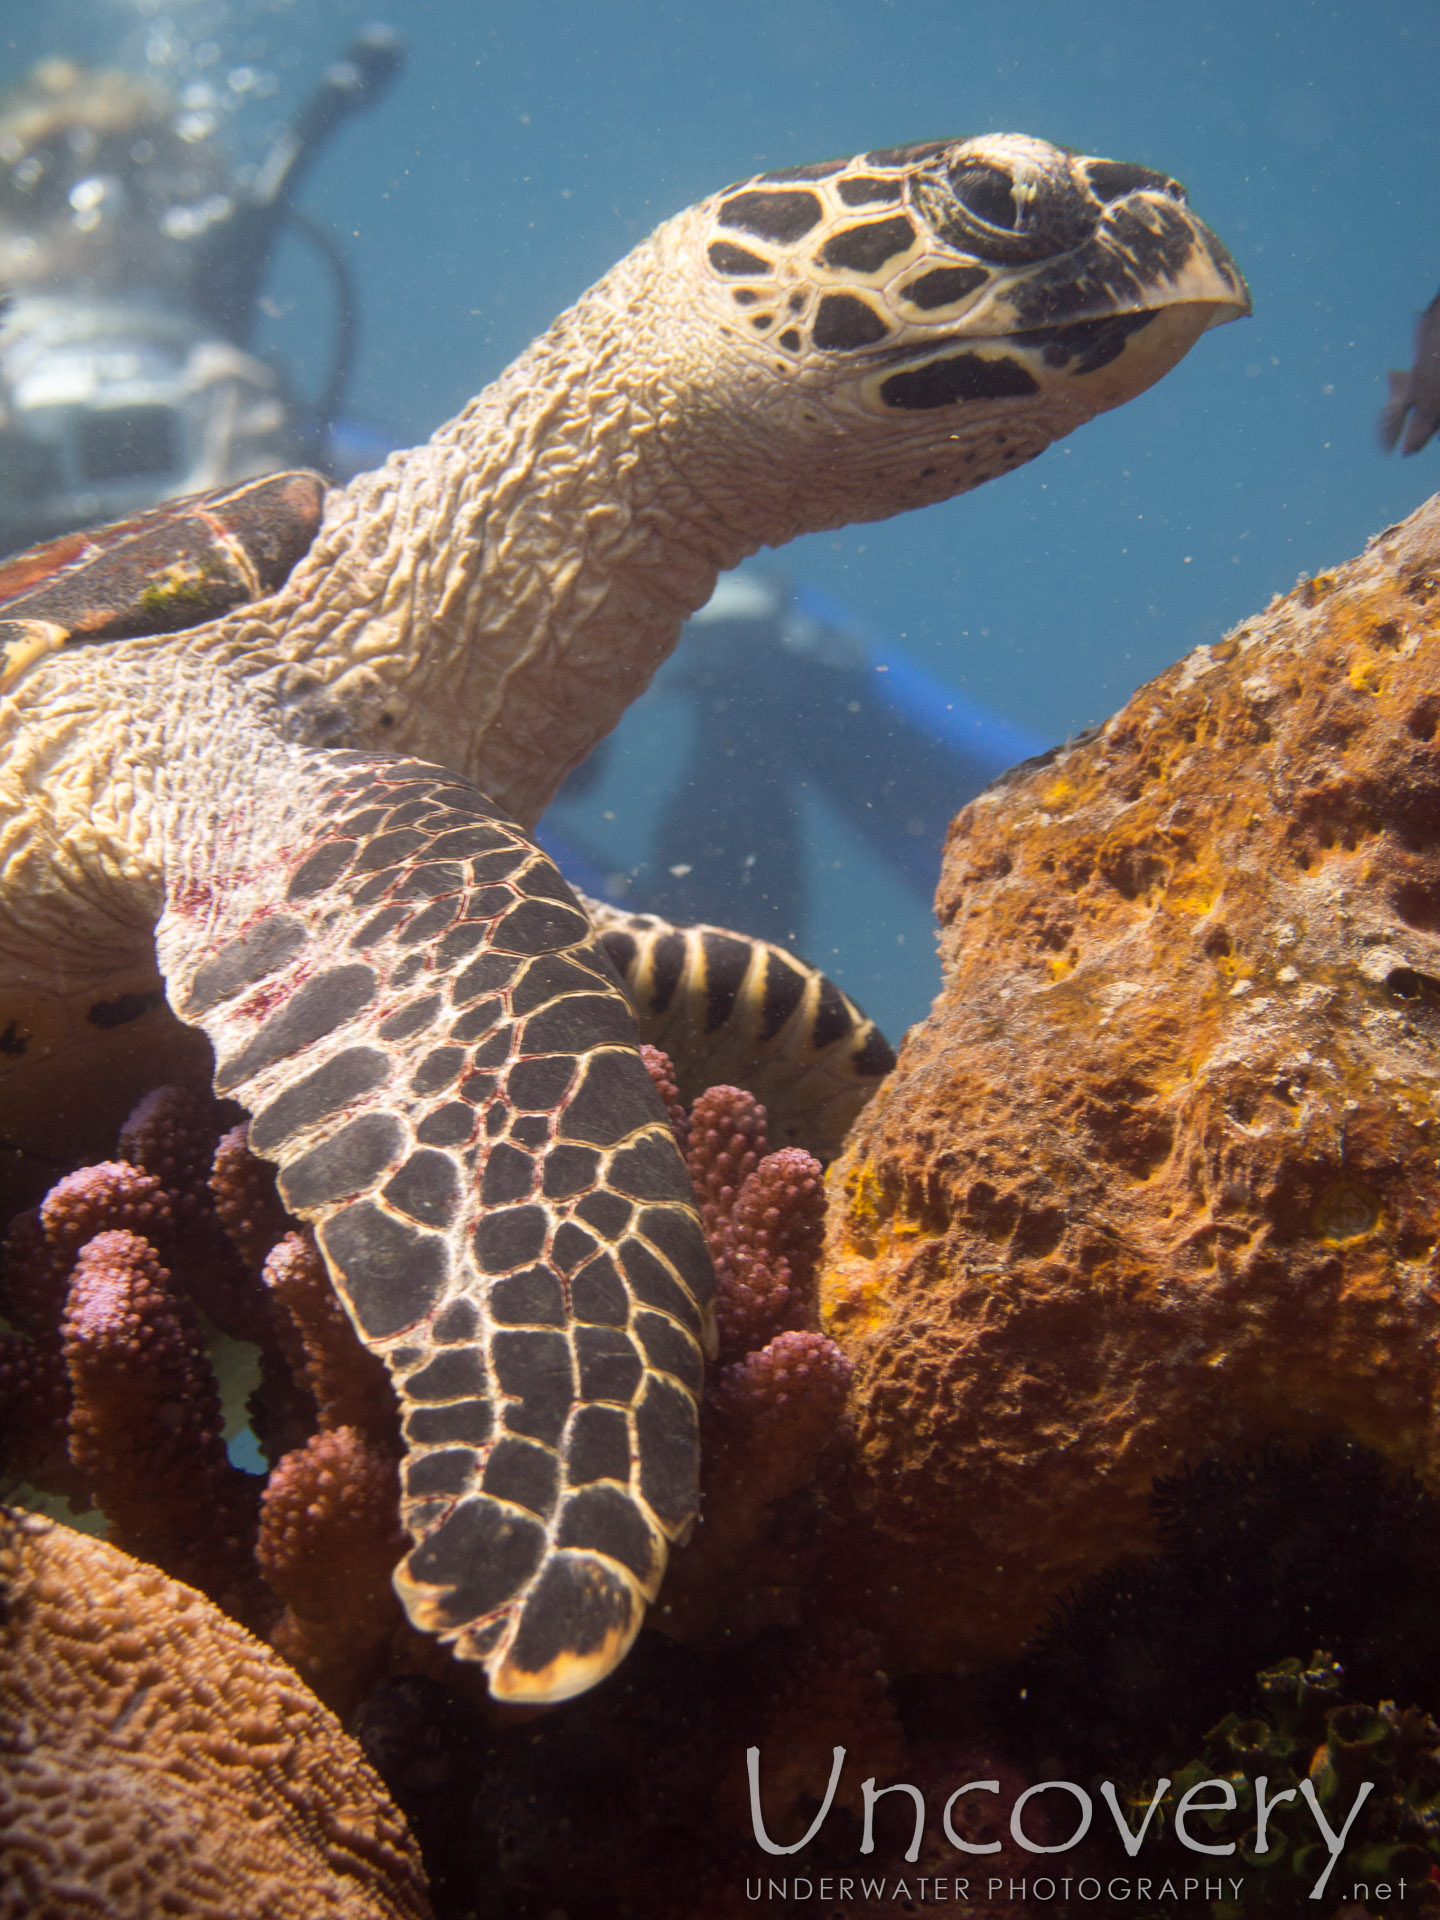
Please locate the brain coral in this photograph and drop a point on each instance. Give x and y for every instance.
(156, 1759)
(1160, 1175)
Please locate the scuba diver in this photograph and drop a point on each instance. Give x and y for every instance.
(789, 695)
(134, 257)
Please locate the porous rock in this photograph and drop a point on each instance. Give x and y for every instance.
(155, 1758)
(1159, 1177)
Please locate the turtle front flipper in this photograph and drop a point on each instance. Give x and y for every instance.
(437, 1053)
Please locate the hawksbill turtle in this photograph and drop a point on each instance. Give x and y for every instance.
(302, 802)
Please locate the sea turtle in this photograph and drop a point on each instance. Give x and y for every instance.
(314, 808)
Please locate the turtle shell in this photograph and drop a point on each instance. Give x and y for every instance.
(158, 572)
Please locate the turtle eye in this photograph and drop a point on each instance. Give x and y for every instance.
(987, 193)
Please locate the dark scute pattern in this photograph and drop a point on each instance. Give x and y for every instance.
(427, 925)
(492, 1052)
(501, 864)
(437, 1069)
(572, 1246)
(667, 968)
(961, 376)
(657, 1287)
(409, 813)
(727, 961)
(943, 286)
(389, 849)
(427, 1188)
(377, 926)
(598, 1296)
(390, 1273)
(448, 1126)
(868, 190)
(905, 156)
(456, 1375)
(322, 1004)
(377, 887)
(448, 1472)
(606, 1212)
(477, 1021)
(364, 823)
(610, 1368)
(651, 1169)
(680, 1239)
(511, 1237)
(531, 1129)
(407, 1020)
(834, 1017)
(345, 1164)
(357, 1071)
(527, 1474)
(575, 1607)
(669, 1349)
(784, 990)
(467, 1422)
(542, 880)
(567, 1171)
(725, 257)
(464, 843)
(598, 1446)
(321, 870)
(459, 943)
(538, 1369)
(509, 1176)
(532, 1298)
(813, 170)
(484, 1552)
(458, 1320)
(578, 1021)
(866, 248)
(241, 962)
(543, 979)
(667, 1436)
(535, 926)
(533, 1364)
(622, 948)
(538, 1086)
(877, 1056)
(615, 1098)
(430, 881)
(844, 322)
(772, 216)
(486, 902)
(491, 973)
(608, 1521)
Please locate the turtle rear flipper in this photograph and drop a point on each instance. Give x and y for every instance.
(436, 1052)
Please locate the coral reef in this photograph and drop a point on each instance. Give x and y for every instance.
(1158, 1178)
(111, 1396)
(1307, 1729)
(1285, 1549)
(155, 1758)
(106, 1280)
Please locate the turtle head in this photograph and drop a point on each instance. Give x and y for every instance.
(923, 318)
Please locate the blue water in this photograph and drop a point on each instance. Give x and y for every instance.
(526, 147)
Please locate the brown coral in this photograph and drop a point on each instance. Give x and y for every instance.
(1158, 1178)
(154, 1758)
